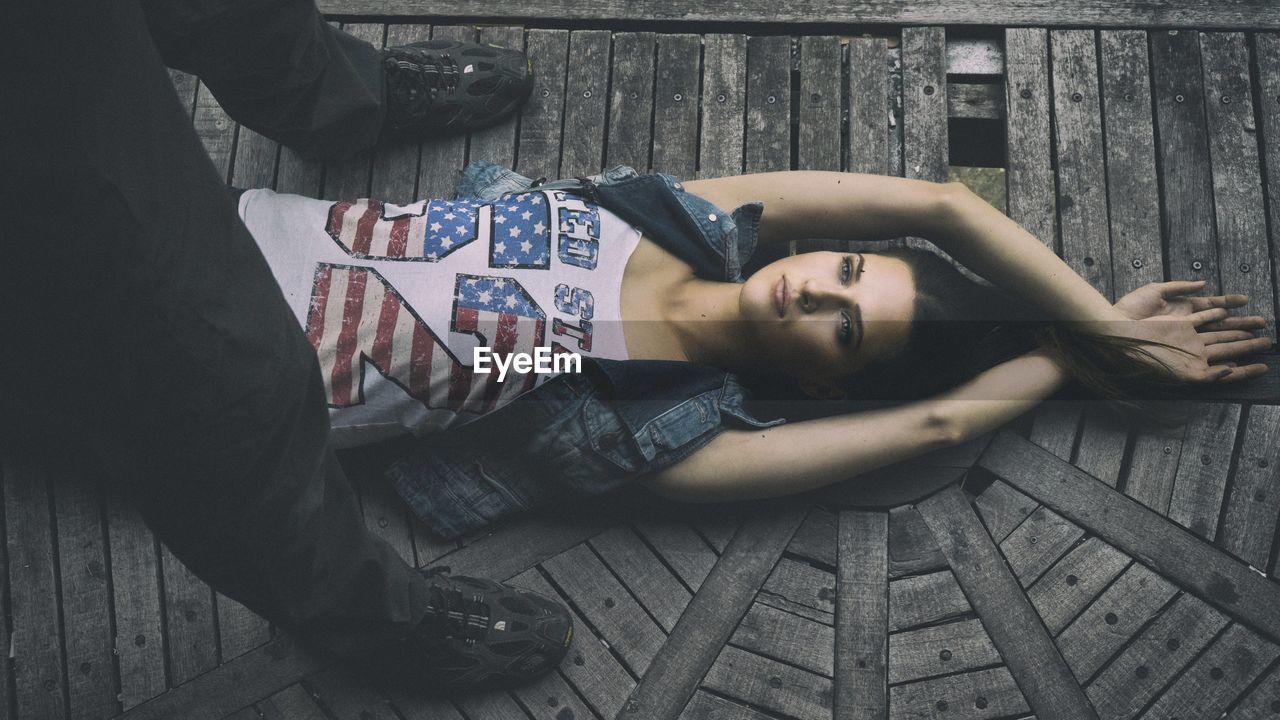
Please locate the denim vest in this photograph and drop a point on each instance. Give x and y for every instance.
(591, 432)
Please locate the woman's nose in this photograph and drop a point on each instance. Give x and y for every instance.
(816, 296)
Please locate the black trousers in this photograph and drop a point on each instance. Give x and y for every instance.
(139, 318)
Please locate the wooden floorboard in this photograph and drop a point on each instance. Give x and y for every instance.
(1173, 13)
(1141, 143)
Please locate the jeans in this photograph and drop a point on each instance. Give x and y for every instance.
(140, 317)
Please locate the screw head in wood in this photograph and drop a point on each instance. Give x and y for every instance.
(1197, 265)
(1088, 261)
(1244, 267)
(928, 89)
(941, 705)
(1137, 262)
(771, 100)
(1167, 450)
(1262, 462)
(1205, 459)
(980, 702)
(1226, 99)
(944, 656)
(546, 93)
(1142, 671)
(586, 93)
(721, 97)
(1076, 97)
(816, 97)
(1178, 98)
(677, 97)
(1025, 93)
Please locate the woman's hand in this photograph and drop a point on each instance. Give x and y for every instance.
(1202, 354)
(1174, 298)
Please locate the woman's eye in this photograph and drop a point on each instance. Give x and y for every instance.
(846, 328)
(846, 269)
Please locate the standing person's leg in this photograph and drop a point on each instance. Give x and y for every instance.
(146, 318)
(279, 68)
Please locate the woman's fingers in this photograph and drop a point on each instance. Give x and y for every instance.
(1206, 316)
(1219, 374)
(1179, 287)
(1239, 348)
(1212, 301)
(1236, 323)
(1222, 336)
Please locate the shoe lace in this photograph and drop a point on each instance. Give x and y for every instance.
(426, 72)
(451, 614)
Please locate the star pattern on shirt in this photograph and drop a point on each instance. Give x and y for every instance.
(521, 219)
(441, 238)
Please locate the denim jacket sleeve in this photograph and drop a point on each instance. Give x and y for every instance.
(592, 432)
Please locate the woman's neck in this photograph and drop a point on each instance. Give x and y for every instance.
(705, 318)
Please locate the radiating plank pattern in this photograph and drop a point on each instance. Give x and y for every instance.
(1083, 567)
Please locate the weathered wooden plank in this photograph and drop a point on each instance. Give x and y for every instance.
(631, 101)
(801, 584)
(601, 679)
(291, 703)
(767, 141)
(1185, 170)
(705, 706)
(538, 149)
(724, 90)
(395, 165)
(819, 141)
(191, 642)
(984, 101)
(869, 111)
(519, 545)
(707, 623)
(493, 705)
(643, 574)
(1037, 544)
(682, 549)
(1092, 638)
(239, 628)
(1082, 185)
(770, 685)
(817, 539)
(256, 674)
(35, 645)
(925, 599)
(416, 706)
(675, 105)
(1054, 427)
(1100, 450)
(184, 85)
(940, 650)
(1243, 256)
(1245, 14)
(217, 131)
(85, 595)
(912, 549)
(1201, 480)
(778, 634)
(1132, 185)
(498, 143)
(255, 163)
(298, 175)
(862, 615)
(1229, 666)
(550, 698)
(1188, 561)
(1249, 526)
(975, 56)
(343, 695)
(348, 178)
(1263, 701)
(1155, 657)
(1267, 59)
(971, 696)
(1002, 509)
(1070, 585)
(440, 159)
(1029, 172)
(585, 100)
(1007, 615)
(607, 605)
(1153, 467)
(924, 80)
(139, 641)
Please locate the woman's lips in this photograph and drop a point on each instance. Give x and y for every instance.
(780, 296)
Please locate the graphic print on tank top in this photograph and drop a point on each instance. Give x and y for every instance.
(399, 296)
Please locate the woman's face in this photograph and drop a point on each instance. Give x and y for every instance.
(823, 315)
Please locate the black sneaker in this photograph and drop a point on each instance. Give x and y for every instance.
(482, 635)
(447, 86)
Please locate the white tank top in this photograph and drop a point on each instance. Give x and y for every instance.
(395, 298)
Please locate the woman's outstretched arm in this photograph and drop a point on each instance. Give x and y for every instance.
(799, 456)
(856, 206)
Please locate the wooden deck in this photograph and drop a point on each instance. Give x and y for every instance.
(1065, 567)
